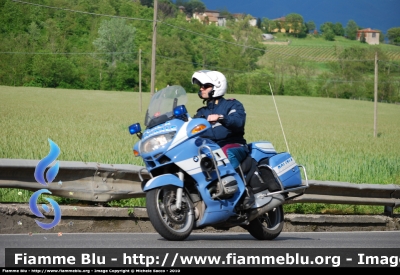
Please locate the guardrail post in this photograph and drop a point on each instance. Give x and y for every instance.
(388, 211)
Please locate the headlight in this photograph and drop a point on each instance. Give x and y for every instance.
(156, 142)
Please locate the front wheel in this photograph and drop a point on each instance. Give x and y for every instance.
(267, 226)
(171, 223)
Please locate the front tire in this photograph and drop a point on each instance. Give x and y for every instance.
(171, 223)
(267, 226)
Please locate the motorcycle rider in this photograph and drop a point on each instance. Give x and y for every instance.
(227, 117)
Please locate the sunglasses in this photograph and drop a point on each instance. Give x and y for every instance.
(206, 86)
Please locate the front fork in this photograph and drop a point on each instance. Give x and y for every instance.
(179, 191)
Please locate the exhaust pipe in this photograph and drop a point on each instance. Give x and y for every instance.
(276, 200)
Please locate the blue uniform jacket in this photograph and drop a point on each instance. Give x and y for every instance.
(231, 128)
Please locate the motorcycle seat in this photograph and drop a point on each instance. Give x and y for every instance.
(236, 154)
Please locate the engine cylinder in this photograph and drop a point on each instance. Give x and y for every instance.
(229, 184)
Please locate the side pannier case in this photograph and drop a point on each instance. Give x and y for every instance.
(261, 150)
(283, 165)
(286, 169)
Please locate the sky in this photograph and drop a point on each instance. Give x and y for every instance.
(375, 14)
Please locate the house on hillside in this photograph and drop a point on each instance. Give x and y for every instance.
(282, 25)
(210, 17)
(221, 21)
(183, 10)
(241, 16)
(371, 36)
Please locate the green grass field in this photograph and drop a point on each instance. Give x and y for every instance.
(333, 138)
(317, 49)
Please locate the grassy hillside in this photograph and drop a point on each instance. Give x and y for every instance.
(317, 49)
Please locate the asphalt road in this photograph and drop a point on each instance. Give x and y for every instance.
(209, 243)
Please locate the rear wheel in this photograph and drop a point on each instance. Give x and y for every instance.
(171, 223)
(267, 226)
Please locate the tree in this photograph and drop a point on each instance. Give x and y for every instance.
(166, 9)
(381, 36)
(245, 57)
(362, 38)
(393, 35)
(329, 35)
(310, 26)
(115, 44)
(11, 19)
(294, 22)
(328, 32)
(148, 3)
(34, 35)
(180, 2)
(62, 72)
(115, 41)
(259, 22)
(351, 30)
(171, 70)
(191, 6)
(268, 25)
(244, 34)
(327, 26)
(225, 13)
(105, 7)
(338, 29)
(352, 65)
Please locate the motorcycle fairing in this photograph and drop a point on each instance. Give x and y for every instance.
(218, 210)
(192, 163)
(166, 127)
(188, 160)
(213, 217)
(185, 132)
(151, 158)
(162, 180)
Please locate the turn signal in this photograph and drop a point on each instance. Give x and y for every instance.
(198, 128)
(136, 153)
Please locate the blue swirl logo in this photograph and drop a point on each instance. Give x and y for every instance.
(40, 178)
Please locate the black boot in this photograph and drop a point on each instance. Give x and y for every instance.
(249, 199)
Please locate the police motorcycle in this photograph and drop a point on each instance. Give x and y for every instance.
(190, 183)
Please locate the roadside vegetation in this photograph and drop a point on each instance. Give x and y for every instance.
(333, 138)
(64, 44)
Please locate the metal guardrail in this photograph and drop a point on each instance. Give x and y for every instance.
(96, 182)
(87, 181)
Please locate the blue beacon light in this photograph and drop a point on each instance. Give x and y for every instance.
(180, 110)
(134, 128)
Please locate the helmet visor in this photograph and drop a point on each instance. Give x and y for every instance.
(204, 86)
(197, 82)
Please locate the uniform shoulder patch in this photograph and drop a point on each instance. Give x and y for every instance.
(231, 98)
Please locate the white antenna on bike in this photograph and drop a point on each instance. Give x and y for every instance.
(279, 117)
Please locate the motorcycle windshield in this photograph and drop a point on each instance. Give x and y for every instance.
(162, 104)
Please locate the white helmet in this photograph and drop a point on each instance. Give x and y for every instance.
(215, 78)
